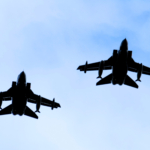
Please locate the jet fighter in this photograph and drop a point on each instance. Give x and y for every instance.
(20, 93)
(120, 62)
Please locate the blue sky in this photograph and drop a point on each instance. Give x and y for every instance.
(49, 40)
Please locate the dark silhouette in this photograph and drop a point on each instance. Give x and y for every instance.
(20, 93)
(120, 62)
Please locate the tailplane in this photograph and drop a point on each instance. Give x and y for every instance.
(7, 110)
(130, 82)
(105, 80)
(30, 113)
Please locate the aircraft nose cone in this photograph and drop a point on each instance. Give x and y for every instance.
(125, 41)
(22, 73)
(21, 78)
(124, 45)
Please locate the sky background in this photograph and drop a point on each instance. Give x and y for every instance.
(48, 40)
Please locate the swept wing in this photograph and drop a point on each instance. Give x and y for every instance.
(95, 66)
(33, 98)
(134, 67)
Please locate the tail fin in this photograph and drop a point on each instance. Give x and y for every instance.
(130, 82)
(7, 110)
(30, 113)
(105, 80)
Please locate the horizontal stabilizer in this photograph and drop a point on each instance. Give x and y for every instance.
(7, 110)
(30, 113)
(130, 82)
(105, 80)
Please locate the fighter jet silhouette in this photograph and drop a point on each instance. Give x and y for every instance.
(120, 62)
(20, 93)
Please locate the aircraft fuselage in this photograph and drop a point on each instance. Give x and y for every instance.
(120, 66)
(19, 99)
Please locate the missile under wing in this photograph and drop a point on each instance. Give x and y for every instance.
(120, 63)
